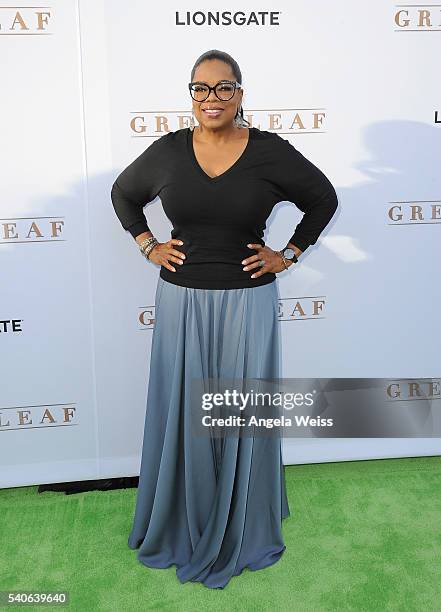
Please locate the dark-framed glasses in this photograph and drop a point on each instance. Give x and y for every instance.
(224, 90)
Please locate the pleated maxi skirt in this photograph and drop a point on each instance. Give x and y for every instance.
(211, 508)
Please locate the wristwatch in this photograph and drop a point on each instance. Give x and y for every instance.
(289, 254)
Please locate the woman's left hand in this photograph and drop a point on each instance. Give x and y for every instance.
(273, 261)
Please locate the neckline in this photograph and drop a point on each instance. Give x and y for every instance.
(214, 179)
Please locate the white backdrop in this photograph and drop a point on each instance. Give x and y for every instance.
(87, 86)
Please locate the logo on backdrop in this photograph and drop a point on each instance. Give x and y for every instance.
(146, 317)
(415, 212)
(10, 326)
(418, 18)
(290, 309)
(23, 20)
(37, 416)
(227, 18)
(301, 308)
(31, 229)
(152, 124)
(402, 390)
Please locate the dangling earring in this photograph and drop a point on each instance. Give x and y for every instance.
(238, 118)
(192, 120)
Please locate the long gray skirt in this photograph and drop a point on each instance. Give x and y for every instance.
(210, 510)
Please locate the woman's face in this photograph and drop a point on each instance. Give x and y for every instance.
(211, 72)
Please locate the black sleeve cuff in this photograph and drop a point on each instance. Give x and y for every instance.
(299, 242)
(138, 228)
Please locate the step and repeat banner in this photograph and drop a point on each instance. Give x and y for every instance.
(87, 86)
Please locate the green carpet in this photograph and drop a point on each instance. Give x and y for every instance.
(363, 535)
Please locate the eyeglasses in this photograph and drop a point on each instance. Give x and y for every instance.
(224, 90)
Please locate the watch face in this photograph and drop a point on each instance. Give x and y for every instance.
(289, 253)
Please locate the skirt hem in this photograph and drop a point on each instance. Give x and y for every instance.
(252, 567)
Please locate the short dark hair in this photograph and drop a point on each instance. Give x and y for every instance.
(223, 57)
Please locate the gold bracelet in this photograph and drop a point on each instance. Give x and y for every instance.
(149, 248)
(147, 245)
(283, 259)
(146, 242)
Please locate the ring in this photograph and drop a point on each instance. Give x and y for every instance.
(261, 262)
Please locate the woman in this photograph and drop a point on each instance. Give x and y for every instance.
(214, 505)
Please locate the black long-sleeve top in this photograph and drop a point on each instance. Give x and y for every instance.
(217, 217)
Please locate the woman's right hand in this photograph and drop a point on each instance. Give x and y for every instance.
(164, 252)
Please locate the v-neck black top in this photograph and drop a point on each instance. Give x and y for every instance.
(216, 217)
